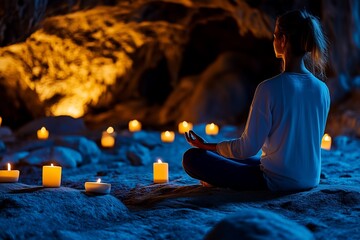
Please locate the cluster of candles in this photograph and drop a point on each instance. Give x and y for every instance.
(108, 136)
(51, 177)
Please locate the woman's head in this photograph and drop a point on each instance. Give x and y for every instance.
(301, 32)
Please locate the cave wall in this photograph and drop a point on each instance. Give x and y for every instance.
(159, 61)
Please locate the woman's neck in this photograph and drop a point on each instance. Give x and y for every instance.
(295, 64)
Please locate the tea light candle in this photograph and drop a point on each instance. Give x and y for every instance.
(212, 129)
(326, 142)
(134, 126)
(9, 176)
(43, 133)
(98, 187)
(168, 136)
(107, 138)
(51, 176)
(161, 172)
(185, 127)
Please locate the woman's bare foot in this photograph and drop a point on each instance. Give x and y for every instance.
(205, 184)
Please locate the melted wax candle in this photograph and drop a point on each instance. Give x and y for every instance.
(168, 136)
(107, 138)
(98, 187)
(43, 133)
(161, 172)
(185, 127)
(51, 176)
(211, 129)
(134, 126)
(9, 176)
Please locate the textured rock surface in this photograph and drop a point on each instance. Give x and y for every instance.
(258, 224)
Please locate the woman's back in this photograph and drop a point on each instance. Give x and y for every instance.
(299, 105)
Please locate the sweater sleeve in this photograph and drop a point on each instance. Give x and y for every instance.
(257, 128)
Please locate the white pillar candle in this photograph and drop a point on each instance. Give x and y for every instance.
(212, 129)
(168, 136)
(107, 138)
(161, 172)
(98, 187)
(134, 126)
(9, 176)
(185, 127)
(326, 142)
(43, 133)
(51, 176)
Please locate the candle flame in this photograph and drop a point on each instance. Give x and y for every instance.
(212, 125)
(135, 122)
(9, 166)
(167, 133)
(98, 181)
(327, 137)
(43, 129)
(110, 130)
(159, 160)
(52, 165)
(185, 123)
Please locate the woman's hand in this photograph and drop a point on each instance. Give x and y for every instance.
(196, 141)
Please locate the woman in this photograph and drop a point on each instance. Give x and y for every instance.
(286, 121)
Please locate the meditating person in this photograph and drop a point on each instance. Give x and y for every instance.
(286, 120)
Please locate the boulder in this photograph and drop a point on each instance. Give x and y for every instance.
(88, 149)
(65, 157)
(138, 155)
(258, 224)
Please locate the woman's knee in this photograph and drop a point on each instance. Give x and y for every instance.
(190, 156)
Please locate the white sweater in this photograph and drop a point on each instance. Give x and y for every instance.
(287, 120)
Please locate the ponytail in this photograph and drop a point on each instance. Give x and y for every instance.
(306, 38)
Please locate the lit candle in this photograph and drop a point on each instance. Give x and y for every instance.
(326, 142)
(51, 176)
(9, 176)
(168, 136)
(134, 126)
(212, 129)
(43, 133)
(0, 121)
(98, 187)
(161, 172)
(107, 138)
(185, 127)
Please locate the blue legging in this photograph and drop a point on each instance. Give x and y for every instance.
(219, 171)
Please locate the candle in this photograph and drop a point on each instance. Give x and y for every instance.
(185, 127)
(51, 176)
(134, 126)
(108, 139)
(98, 187)
(168, 136)
(326, 142)
(211, 129)
(161, 172)
(9, 176)
(0, 121)
(42, 133)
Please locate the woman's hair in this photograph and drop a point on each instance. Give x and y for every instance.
(306, 37)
